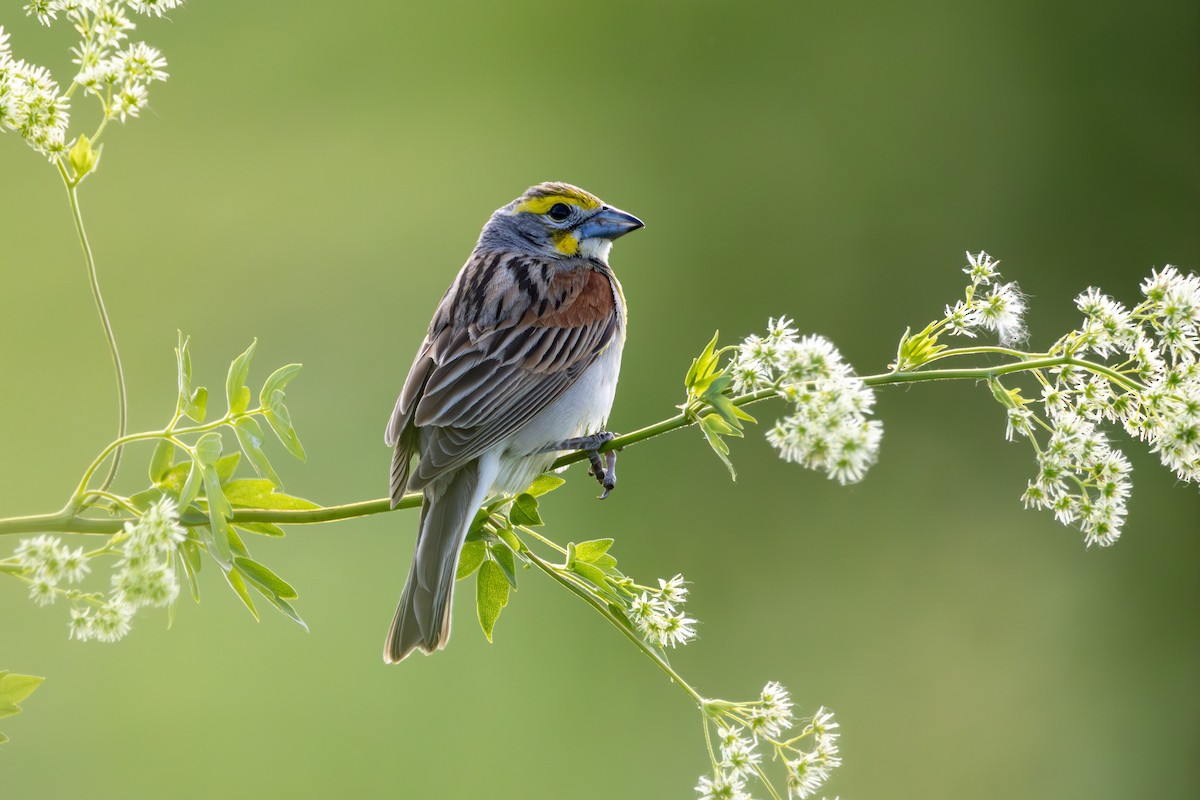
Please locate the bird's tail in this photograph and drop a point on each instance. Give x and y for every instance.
(422, 619)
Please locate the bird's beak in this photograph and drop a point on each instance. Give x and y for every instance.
(610, 223)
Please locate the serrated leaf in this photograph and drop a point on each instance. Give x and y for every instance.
(507, 561)
(15, 688)
(8, 709)
(280, 420)
(491, 595)
(237, 394)
(250, 437)
(4, 739)
(544, 484)
(260, 528)
(260, 493)
(262, 575)
(524, 510)
(238, 585)
(161, 460)
(277, 381)
(471, 557)
(591, 550)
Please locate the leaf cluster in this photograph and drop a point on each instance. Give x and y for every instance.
(204, 485)
(710, 401)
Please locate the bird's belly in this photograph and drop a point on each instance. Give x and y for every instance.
(580, 411)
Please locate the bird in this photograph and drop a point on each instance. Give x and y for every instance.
(519, 364)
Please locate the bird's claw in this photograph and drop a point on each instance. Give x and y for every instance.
(604, 470)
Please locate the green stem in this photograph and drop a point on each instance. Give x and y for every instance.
(604, 611)
(93, 280)
(68, 520)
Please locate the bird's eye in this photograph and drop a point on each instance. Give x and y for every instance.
(559, 211)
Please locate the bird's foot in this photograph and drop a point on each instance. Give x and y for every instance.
(604, 465)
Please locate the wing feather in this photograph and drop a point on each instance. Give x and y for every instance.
(498, 352)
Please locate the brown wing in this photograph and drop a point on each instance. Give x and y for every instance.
(506, 342)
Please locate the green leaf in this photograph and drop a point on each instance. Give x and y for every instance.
(239, 587)
(591, 550)
(260, 528)
(491, 595)
(283, 605)
(191, 487)
(472, 555)
(208, 453)
(280, 421)
(161, 460)
(591, 572)
(713, 428)
(197, 406)
(606, 563)
(699, 374)
(237, 394)
(277, 381)
(524, 510)
(250, 437)
(257, 573)
(146, 498)
(226, 466)
(260, 493)
(183, 370)
(507, 561)
(15, 688)
(189, 557)
(544, 484)
(208, 449)
(511, 539)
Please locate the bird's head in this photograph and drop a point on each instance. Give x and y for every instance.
(558, 220)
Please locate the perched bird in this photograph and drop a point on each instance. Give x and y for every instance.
(520, 363)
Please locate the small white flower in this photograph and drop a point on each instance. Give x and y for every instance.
(110, 622)
(739, 758)
(42, 591)
(981, 268)
(673, 592)
(1002, 310)
(721, 787)
(81, 626)
(805, 775)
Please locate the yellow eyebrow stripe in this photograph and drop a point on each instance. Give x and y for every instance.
(543, 203)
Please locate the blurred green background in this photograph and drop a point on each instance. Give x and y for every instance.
(315, 176)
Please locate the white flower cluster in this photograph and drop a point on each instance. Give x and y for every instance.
(658, 614)
(748, 726)
(1001, 309)
(1141, 370)
(47, 562)
(117, 72)
(829, 430)
(144, 575)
